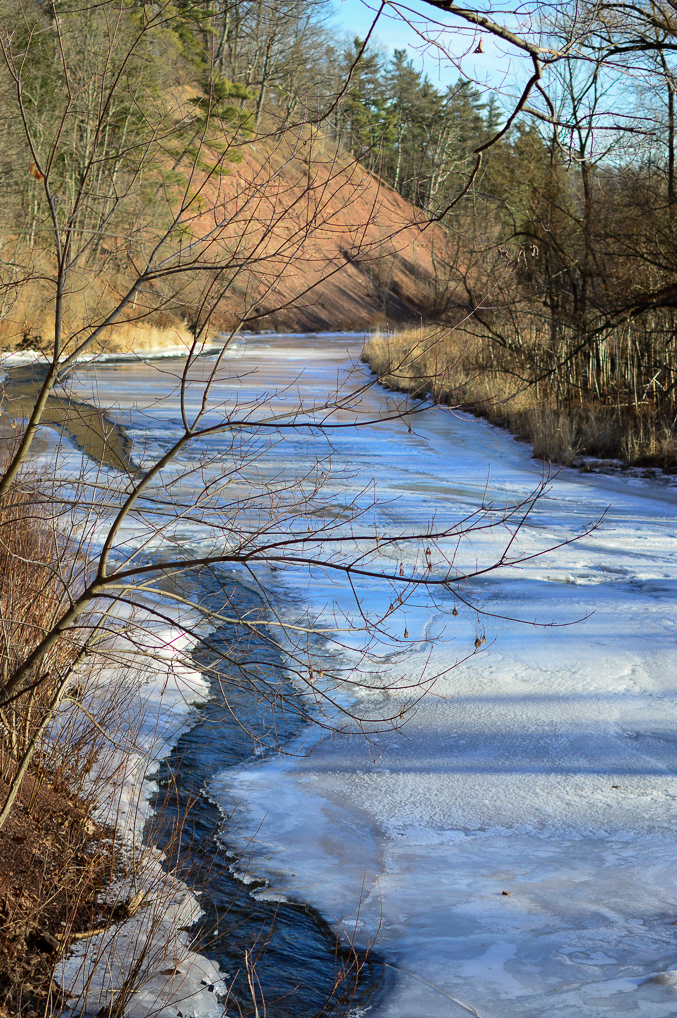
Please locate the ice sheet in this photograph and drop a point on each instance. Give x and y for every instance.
(543, 766)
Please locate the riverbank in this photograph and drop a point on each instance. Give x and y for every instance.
(54, 860)
(90, 917)
(142, 961)
(456, 369)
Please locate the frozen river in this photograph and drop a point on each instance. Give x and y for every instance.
(513, 849)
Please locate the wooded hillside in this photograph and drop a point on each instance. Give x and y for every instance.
(192, 187)
(215, 166)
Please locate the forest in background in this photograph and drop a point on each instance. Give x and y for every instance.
(556, 293)
(556, 267)
(557, 285)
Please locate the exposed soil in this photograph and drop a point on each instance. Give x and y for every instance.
(367, 260)
(53, 862)
(324, 245)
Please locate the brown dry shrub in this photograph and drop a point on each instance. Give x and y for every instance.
(53, 859)
(40, 570)
(53, 863)
(455, 368)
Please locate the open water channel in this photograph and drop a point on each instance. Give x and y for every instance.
(512, 850)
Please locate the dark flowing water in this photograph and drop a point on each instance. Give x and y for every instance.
(301, 969)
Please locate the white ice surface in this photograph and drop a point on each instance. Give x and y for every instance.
(170, 980)
(155, 658)
(503, 780)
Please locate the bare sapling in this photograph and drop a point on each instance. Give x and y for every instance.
(138, 206)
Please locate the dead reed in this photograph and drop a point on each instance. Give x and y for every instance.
(460, 369)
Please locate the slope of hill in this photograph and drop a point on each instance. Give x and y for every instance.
(365, 256)
(293, 234)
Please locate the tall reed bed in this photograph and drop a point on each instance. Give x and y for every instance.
(461, 369)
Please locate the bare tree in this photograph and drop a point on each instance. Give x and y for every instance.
(116, 221)
(124, 212)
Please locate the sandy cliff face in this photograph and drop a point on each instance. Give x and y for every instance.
(289, 234)
(351, 252)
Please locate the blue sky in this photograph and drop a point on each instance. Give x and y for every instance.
(494, 68)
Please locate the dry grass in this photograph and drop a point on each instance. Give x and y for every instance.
(39, 571)
(53, 859)
(457, 369)
(22, 326)
(27, 310)
(133, 336)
